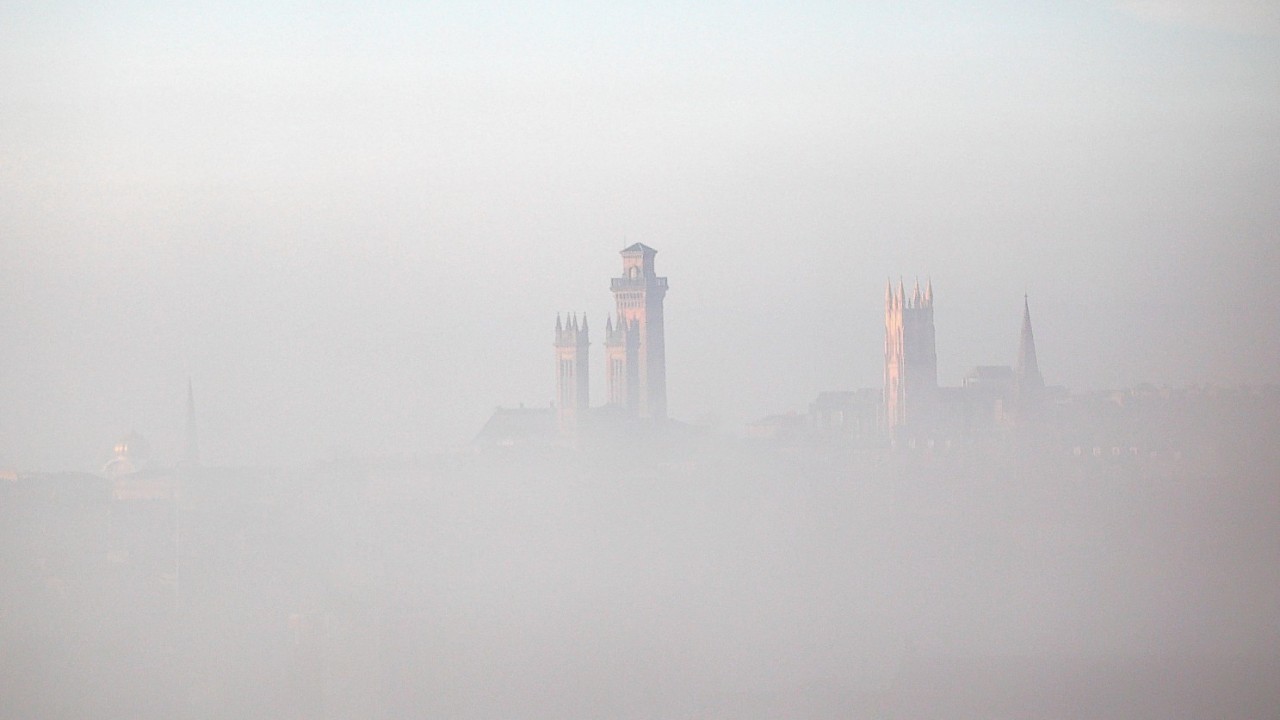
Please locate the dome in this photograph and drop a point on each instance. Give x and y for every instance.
(131, 452)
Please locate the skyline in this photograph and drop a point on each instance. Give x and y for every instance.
(190, 428)
(348, 226)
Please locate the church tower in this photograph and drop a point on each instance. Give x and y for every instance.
(572, 381)
(910, 358)
(1028, 383)
(641, 382)
(616, 350)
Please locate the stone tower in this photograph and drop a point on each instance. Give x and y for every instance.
(910, 358)
(618, 345)
(572, 381)
(640, 384)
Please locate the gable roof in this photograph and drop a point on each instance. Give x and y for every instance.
(518, 426)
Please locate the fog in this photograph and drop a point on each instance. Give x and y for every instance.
(348, 231)
(352, 225)
(716, 580)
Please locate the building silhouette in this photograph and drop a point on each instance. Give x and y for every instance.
(910, 359)
(635, 348)
(911, 410)
(618, 346)
(1028, 388)
(572, 376)
(635, 366)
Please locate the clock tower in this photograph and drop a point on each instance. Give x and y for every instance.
(639, 380)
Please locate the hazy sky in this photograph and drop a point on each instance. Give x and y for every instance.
(352, 225)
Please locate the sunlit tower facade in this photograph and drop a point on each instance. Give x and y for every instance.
(618, 344)
(572, 380)
(910, 358)
(639, 383)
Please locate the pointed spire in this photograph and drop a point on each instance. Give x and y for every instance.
(559, 325)
(608, 325)
(1028, 370)
(928, 292)
(888, 293)
(584, 322)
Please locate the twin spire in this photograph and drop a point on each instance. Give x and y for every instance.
(1028, 368)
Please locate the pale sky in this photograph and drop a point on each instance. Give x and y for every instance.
(352, 227)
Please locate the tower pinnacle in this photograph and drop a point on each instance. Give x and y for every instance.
(1029, 384)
